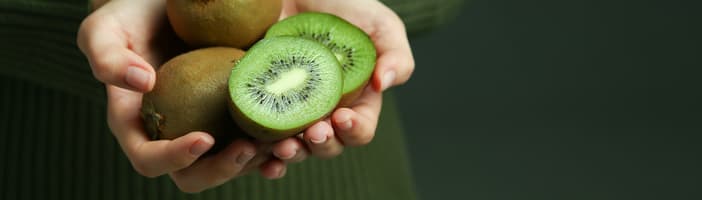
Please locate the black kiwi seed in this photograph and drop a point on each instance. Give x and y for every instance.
(259, 93)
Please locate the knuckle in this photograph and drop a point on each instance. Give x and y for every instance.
(86, 25)
(331, 153)
(103, 67)
(183, 181)
(81, 37)
(90, 21)
(87, 32)
(411, 66)
(186, 187)
(179, 162)
(100, 70)
(177, 158)
(299, 157)
(363, 138)
(366, 139)
(227, 171)
(144, 170)
(410, 70)
(255, 162)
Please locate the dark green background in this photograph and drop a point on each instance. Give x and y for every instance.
(558, 100)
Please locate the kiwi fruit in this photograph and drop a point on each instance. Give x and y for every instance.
(283, 85)
(234, 23)
(191, 95)
(351, 46)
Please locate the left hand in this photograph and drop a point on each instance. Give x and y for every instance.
(355, 125)
(123, 40)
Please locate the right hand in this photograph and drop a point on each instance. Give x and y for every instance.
(122, 41)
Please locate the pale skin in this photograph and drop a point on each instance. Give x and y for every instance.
(124, 39)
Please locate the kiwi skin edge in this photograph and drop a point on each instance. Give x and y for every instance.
(262, 133)
(292, 26)
(348, 99)
(267, 133)
(234, 23)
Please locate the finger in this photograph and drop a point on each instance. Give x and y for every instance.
(110, 58)
(395, 62)
(290, 150)
(150, 158)
(155, 158)
(289, 9)
(273, 169)
(394, 67)
(356, 126)
(321, 141)
(217, 169)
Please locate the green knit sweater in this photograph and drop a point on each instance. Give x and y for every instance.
(55, 143)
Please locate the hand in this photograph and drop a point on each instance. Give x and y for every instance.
(355, 125)
(123, 40)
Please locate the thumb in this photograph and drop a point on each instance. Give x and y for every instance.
(112, 62)
(395, 62)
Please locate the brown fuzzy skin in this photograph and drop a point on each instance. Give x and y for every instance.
(234, 23)
(191, 95)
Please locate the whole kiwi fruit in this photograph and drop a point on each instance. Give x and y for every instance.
(283, 85)
(234, 23)
(191, 95)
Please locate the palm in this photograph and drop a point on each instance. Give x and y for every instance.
(154, 40)
(148, 37)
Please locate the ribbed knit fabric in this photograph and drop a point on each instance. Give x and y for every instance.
(57, 146)
(37, 42)
(55, 143)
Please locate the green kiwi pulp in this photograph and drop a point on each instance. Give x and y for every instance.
(283, 85)
(351, 46)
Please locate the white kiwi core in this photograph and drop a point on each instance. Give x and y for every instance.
(340, 57)
(288, 80)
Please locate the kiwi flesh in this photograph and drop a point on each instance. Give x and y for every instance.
(282, 86)
(191, 95)
(234, 23)
(351, 46)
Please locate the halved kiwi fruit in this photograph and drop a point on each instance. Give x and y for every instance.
(350, 45)
(191, 95)
(234, 23)
(283, 85)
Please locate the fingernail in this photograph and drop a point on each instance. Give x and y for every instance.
(137, 77)
(319, 140)
(388, 78)
(345, 122)
(322, 136)
(200, 147)
(281, 173)
(285, 157)
(347, 125)
(244, 157)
